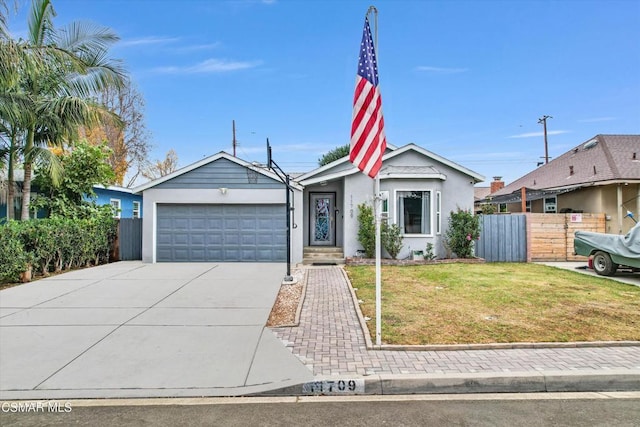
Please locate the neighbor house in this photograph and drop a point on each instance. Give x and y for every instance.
(18, 176)
(222, 208)
(601, 175)
(125, 203)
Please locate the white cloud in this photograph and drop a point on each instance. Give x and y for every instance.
(597, 119)
(541, 133)
(196, 47)
(441, 70)
(146, 41)
(209, 66)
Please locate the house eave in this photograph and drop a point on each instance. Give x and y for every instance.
(307, 176)
(439, 176)
(476, 176)
(211, 159)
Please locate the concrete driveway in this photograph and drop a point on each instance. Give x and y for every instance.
(130, 329)
(580, 267)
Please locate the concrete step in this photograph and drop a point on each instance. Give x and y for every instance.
(324, 255)
(322, 261)
(322, 249)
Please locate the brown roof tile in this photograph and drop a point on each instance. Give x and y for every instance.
(602, 158)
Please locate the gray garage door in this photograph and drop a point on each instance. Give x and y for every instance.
(221, 233)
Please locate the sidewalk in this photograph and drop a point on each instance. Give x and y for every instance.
(331, 343)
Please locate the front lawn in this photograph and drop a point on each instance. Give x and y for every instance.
(496, 303)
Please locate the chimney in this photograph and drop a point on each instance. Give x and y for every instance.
(496, 184)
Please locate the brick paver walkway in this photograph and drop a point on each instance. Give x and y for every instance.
(330, 341)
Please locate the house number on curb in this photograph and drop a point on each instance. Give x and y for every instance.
(334, 387)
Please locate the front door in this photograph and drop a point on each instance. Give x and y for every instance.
(322, 222)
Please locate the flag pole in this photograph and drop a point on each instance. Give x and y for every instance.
(378, 207)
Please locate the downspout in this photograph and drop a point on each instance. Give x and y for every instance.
(620, 216)
(637, 212)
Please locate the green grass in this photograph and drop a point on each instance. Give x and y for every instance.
(496, 303)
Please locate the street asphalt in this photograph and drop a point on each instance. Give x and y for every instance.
(136, 330)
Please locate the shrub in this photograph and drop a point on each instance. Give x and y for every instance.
(428, 253)
(391, 239)
(367, 229)
(55, 244)
(14, 260)
(464, 229)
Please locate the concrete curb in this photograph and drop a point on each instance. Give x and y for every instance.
(517, 382)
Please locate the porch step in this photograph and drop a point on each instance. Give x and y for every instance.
(323, 255)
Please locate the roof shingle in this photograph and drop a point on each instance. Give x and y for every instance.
(602, 158)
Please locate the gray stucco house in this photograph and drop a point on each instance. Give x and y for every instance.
(225, 209)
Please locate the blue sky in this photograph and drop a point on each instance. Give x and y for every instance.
(467, 80)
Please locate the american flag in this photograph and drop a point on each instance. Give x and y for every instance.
(368, 142)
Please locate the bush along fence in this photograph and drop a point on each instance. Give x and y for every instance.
(48, 245)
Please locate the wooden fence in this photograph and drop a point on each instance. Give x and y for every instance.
(503, 238)
(534, 236)
(128, 243)
(551, 235)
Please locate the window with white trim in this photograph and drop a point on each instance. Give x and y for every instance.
(438, 212)
(116, 206)
(414, 211)
(384, 212)
(136, 210)
(550, 204)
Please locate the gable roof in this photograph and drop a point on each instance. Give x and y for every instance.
(600, 160)
(480, 193)
(338, 162)
(392, 151)
(114, 188)
(221, 155)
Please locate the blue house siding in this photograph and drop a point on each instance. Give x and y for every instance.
(105, 195)
(220, 173)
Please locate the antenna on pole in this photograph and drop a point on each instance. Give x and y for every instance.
(268, 154)
(543, 120)
(234, 143)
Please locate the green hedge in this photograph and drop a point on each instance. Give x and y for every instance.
(54, 244)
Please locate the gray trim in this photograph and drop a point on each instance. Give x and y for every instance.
(221, 173)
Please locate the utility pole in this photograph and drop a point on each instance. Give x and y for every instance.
(233, 141)
(543, 120)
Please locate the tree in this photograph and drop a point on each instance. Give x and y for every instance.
(127, 139)
(335, 154)
(59, 72)
(85, 165)
(161, 167)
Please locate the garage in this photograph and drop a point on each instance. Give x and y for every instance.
(221, 233)
(220, 209)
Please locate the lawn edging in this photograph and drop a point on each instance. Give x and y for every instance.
(388, 261)
(462, 347)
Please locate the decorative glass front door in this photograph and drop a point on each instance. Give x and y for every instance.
(322, 224)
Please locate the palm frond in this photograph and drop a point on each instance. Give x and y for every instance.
(48, 162)
(85, 37)
(41, 22)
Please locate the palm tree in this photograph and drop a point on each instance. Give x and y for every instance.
(59, 74)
